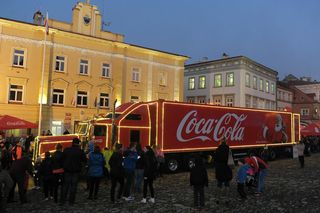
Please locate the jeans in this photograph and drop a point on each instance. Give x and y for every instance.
(261, 179)
(114, 181)
(148, 182)
(70, 185)
(94, 183)
(198, 195)
(138, 180)
(129, 175)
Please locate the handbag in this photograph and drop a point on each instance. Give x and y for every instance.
(58, 171)
(230, 159)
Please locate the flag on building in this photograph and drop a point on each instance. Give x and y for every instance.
(46, 24)
(73, 101)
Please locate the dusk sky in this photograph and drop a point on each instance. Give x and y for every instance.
(281, 34)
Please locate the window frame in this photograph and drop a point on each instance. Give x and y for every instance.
(163, 79)
(200, 82)
(135, 75)
(189, 83)
(84, 65)
(247, 80)
(59, 60)
(24, 55)
(103, 69)
(102, 103)
(304, 111)
(227, 79)
(58, 96)
(136, 99)
(255, 82)
(261, 85)
(214, 80)
(16, 90)
(227, 102)
(82, 98)
(267, 87)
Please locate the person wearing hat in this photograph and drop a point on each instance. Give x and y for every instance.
(72, 160)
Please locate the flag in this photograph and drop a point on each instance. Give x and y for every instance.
(73, 101)
(96, 103)
(46, 24)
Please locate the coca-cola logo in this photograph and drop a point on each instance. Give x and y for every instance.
(229, 126)
(16, 123)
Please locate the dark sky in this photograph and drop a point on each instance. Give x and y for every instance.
(281, 34)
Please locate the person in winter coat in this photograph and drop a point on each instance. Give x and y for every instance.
(6, 185)
(138, 173)
(107, 153)
(19, 170)
(73, 159)
(198, 179)
(96, 164)
(129, 164)
(150, 169)
(223, 171)
(57, 171)
(47, 176)
(301, 148)
(116, 172)
(242, 177)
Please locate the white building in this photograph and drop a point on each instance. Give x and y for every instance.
(284, 97)
(310, 88)
(233, 81)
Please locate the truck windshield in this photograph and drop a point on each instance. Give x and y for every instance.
(110, 115)
(82, 128)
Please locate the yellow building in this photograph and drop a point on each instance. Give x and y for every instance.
(85, 70)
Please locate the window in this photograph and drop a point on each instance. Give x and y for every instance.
(267, 104)
(135, 75)
(202, 82)
(272, 89)
(134, 117)
(230, 79)
(247, 80)
(163, 79)
(18, 58)
(218, 80)
(229, 100)
(273, 105)
(267, 86)
(84, 67)
(248, 101)
(58, 96)
(82, 98)
(255, 83)
(99, 130)
(104, 100)
(60, 60)
(304, 111)
(202, 99)
(261, 104)
(217, 100)
(134, 99)
(105, 71)
(254, 102)
(260, 84)
(191, 84)
(15, 93)
(190, 99)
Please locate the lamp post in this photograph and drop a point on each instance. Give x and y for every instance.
(113, 126)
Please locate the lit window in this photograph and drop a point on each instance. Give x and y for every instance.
(134, 99)
(58, 96)
(163, 79)
(18, 58)
(255, 83)
(135, 75)
(218, 80)
(247, 80)
(202, 99)
(191, 84)
(104, 100)
(84, 67)
(230, 79)
(229, 101)
(15, 93)
(59, 64)
(304, 111)
(82, 98)
(105, 72)
(267, 86)
(272, 88)
(217, 100)
(202, 82)
(260, 84)
(190, 99)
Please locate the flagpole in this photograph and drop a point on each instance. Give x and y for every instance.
(42, 75)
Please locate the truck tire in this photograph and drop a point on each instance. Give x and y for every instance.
(172, 165)
(272, 154)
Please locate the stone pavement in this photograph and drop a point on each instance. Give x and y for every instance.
(288, 189)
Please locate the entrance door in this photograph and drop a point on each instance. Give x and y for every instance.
(135, 136)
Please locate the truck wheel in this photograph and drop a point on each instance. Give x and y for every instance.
(172, 165)
(272, 154)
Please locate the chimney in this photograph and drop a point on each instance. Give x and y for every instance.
(37, 18)
(225, 55)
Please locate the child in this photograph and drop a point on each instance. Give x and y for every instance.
(198, 179)
(242, 177)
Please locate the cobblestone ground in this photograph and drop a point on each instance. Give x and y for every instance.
(288, 189)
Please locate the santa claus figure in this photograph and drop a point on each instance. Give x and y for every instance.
(274, 130)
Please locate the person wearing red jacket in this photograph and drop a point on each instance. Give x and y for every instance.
(260, 168)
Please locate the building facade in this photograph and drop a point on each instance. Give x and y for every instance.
(235, 81)
(77, 70)
(284, 97)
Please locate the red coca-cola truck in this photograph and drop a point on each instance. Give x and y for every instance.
(181, 130)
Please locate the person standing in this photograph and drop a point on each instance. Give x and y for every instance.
(57, 171)
(96, 164)
(198, 179)
(107, 153)
(47, 176)
(73, 158)
(301, 148)
(116, 171)
(138, 173)
(223, 171)
(129, 164)
(6, 185)
(150, 168)
(27, 144)
(262, 173)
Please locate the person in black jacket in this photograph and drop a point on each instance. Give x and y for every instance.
(116, 171)
(47, 176)
(6, 184)
(198, 179)
(150, 169)
(73, 159)
(57, 171)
